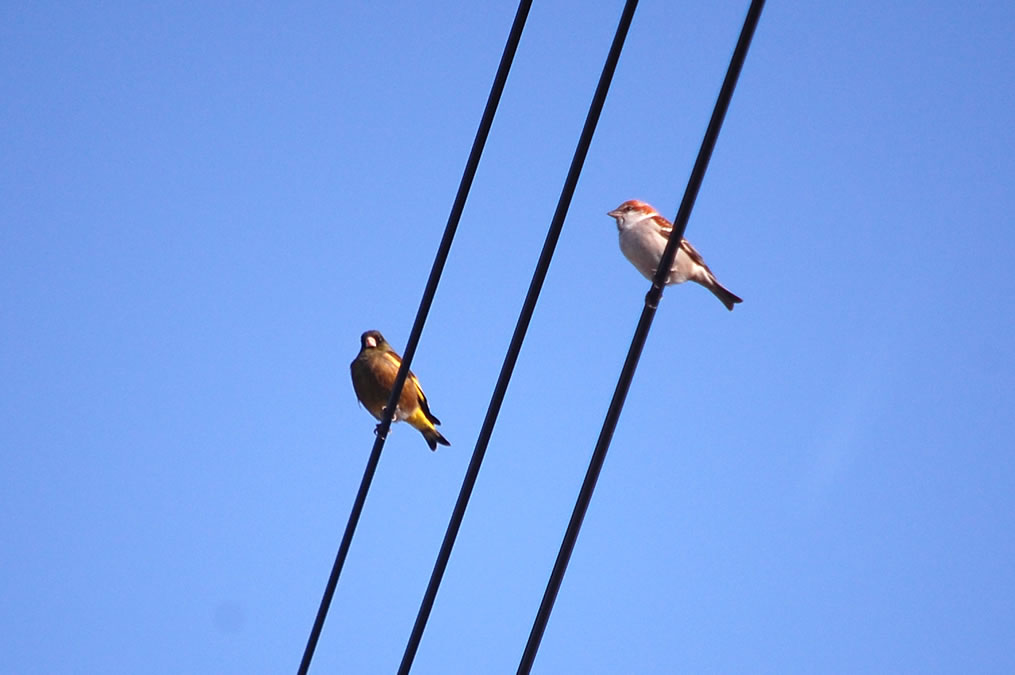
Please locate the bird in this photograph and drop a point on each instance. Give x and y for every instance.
(643, 236)
(373, 377)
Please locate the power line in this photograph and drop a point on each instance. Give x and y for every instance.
(528, 307)
(514, 37)
(640, 335)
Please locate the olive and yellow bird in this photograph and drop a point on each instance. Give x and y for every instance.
(373, 376)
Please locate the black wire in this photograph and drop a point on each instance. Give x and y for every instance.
(417, 327)
(640, 335)
(528, 307)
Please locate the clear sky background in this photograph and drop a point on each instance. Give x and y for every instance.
(203, 205)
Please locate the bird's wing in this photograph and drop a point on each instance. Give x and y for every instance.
(666, 227)
(393, 359)
(693, 254)
(412, 381)
(423, 404)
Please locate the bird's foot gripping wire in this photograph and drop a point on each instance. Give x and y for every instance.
(377, 429)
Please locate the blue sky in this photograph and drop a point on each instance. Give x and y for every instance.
(203, 205)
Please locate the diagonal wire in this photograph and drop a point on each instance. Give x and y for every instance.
(528, 307)
(514, 37)
(640, 335)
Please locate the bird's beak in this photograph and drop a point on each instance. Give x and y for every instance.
(615, 213)
(371, 342)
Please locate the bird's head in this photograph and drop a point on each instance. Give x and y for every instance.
(372, 339)
(631, 212)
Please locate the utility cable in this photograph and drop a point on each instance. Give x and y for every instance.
(514, 37)
(640, 335)
(528, 307)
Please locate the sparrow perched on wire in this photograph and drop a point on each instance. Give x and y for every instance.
(373, 376)
(643, 237)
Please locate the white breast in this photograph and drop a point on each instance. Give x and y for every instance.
(643, 246)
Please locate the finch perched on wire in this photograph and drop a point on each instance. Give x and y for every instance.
(643, 237)
(373, 376)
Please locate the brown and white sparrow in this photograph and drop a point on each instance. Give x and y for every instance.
(643, 237)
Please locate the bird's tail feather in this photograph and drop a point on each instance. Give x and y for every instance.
(725, 295)
(433, 437)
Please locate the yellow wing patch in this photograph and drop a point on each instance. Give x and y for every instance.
(396, 362)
